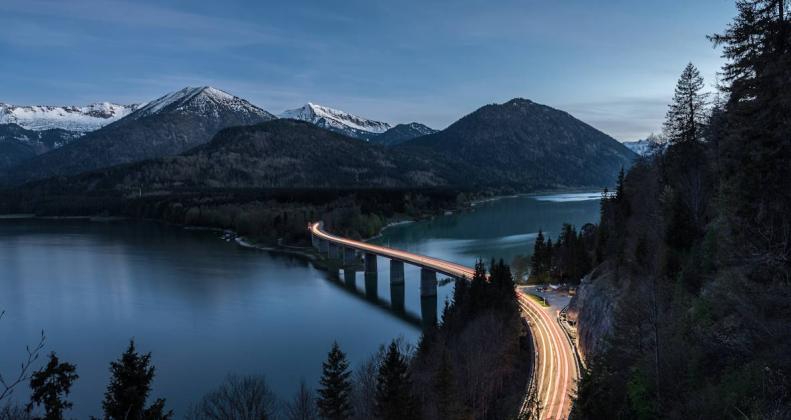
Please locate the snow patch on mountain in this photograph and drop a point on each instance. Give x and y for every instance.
(72, 118)
(337, 120)
(647, 146)
(204, 100)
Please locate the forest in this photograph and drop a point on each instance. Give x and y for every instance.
(696, 248)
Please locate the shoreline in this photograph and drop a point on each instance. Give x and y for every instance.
(305, 252)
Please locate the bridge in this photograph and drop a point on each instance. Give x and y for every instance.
(555, 370)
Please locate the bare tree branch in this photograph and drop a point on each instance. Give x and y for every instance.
(7, 386)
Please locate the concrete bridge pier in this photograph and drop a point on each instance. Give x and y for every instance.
(428, 282)
(396, 272)
(397, 293)
(370, 263)
(350, 256)
(350, 278)
(333, 251)
(371, 286)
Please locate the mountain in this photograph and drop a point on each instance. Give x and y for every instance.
(18, 144)
(647, 146)
(274, 154)
(527, 146)
(72, 118)
(167, 126)
(401, 133)
(338, 121)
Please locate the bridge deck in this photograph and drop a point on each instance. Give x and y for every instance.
(436, 264)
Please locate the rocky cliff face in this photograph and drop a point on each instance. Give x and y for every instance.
(593, 309)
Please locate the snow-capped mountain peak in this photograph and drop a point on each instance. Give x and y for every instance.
(647, 146)
(202, 100)
(337, 120)
(72, 118)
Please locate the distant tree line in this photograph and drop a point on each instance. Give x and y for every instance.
(264, 215)
(566, 260)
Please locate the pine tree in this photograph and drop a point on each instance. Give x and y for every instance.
(394, 399)
(129, 387)
(546, 259)
(536, 261)
(756, 144)
(502, 281)
(50, 385)
(686, 115)
(334, 400)
(445, 389)
(478, 289)
(619, 195)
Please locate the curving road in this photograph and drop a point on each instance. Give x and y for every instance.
(555, 373)
(436, 264)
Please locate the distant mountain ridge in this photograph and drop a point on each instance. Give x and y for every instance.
(527, 145)
(281, 153)
(337, 120)
(18, 144)
(166, 126)
(401, 133)
(519, 145)
(647, 146)
(72, 118)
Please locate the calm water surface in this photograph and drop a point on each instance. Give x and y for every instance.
(205, 307)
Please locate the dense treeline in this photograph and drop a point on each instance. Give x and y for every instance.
(698, 249)
(265, 215)
(473, 365)
(567, 259)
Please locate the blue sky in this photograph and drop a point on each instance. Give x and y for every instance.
(612, 64)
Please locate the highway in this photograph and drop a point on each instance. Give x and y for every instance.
(556, 371)
(436, 264)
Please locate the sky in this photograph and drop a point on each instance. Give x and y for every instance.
(612, 64)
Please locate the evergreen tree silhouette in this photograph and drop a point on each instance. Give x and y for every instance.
(334, 400)
(129, 387)
(50, 385)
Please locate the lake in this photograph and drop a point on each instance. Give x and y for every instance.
(205, 307)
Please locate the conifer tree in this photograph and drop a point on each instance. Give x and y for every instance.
(334, 400)
(686, 115)
(536, 261)
(50, 385)
(619, 195)
(478, 289)
(756, 143)
(546, 259)
(445, 389)
(394, 399)
(461, 294)
(129, 387)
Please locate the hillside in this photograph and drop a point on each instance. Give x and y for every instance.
(164, 127)
(279, 153)
(401, 133)
(527, 145)
(18, 144)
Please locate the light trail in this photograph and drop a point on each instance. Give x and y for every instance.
(558, 371)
